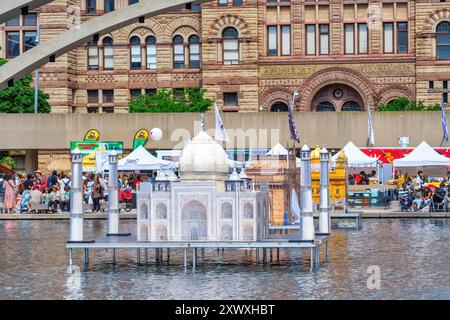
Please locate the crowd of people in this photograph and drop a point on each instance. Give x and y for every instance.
(415, 195)
(22, 193)
(362, 178)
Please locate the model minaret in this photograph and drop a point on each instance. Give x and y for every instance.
(76, 198)
(306, 200)
(324, 212)
(113, 196)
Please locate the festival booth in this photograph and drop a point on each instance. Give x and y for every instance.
(142, 160)
(424, 158)
(375, 194)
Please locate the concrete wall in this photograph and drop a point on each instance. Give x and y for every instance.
(55, 131)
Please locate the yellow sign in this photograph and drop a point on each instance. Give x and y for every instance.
(89, 162)
(140, 138)
(92, 135)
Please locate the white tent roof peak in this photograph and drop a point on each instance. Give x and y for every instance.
(278, 150)
(141, 159)
(355, 157)
(422, 156)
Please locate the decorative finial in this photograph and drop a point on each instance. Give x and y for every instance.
(202, 122)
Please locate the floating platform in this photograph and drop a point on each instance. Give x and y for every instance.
(130, 242)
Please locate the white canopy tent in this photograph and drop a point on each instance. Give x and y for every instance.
(141, 159)
(424, 157)
(279, 150)
(356, 158)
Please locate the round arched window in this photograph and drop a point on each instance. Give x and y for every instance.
(325, 106)
(351, 106)
(443, 40)
(279, 107)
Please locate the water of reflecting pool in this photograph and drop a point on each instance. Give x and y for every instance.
(413, 255)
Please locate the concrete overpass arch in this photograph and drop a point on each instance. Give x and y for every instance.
(48, 51)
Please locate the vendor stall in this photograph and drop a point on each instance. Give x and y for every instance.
(142, 160)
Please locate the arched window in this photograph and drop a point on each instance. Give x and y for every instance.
(108, 53)
(227, 211)
(194, 52)
(92, 56)
(248, 211)
(161, 211)
(135, 51)
(443, 40)
(178, 52)
(230, 46)
(109, 6)
(151, 52)
(279, 107)
(325, 106)
(351, 106)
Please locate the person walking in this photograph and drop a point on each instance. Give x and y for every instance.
(96, 195)
(10, 194)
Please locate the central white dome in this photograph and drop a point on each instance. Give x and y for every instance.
(203, 159)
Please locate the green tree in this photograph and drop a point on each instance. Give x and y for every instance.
(166, 100)
(20, 97)
(406, 104)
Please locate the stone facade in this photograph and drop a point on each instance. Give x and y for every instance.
(309, 51)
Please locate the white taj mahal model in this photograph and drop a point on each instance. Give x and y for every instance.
(207, 203)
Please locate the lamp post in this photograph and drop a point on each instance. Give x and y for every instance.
(324, 213)
(113, 195)
(76, 198)
(306, 200)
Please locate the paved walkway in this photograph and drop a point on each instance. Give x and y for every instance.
(367, 214)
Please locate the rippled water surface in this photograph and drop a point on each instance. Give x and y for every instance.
(413, 256)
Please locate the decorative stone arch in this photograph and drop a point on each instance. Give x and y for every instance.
(249, 210)
(274, 95)
(229, 20)
(109, 35)
(144, 232)
(336, 75)
(177, 23)
(226, 232)
(194, 221)
(434, 18)
(161, 211)
(226, 210)
(185, 32)
(161, 232)
(248, 234)
(141, 33)
(143, 211)
(387, 94)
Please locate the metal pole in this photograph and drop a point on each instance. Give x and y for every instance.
(257, 256)
(168, 255)
(311, 260)
(326, 250)
(36, 73)
(70, 257)
(317, 257)
(185, 259)
(138, 256)
(146, 255)
(114, 255)
(278, 254)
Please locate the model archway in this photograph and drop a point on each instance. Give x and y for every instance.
(194, 220)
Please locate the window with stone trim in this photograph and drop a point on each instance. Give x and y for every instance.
(135, 53)
(230, 37)
(108, 53)
(194, 52)
(91, 6)
(92, 52)
(109, 5)
(278, 21)
(443, 40)
(151, 52)
(178, 52)
(20, 34)
(395, 27)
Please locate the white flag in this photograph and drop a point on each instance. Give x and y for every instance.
(221, 133)
(370, 133)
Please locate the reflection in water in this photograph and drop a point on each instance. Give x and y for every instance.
(413, 256)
